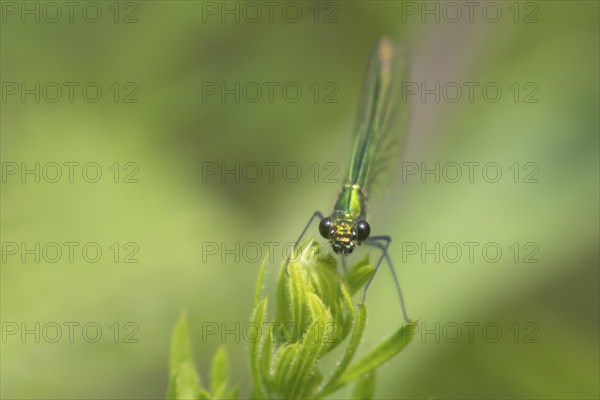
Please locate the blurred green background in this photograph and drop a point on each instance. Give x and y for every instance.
(169, 56)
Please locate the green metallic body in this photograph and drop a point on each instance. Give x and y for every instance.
(351, 204)
(380, 132)
(375, 136)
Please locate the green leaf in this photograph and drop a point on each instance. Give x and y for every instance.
(379, 355)
(259, 282)
(283, 308)
(258, 318)
(320, 316)
(232, 393)
(171, 387)
(204, 395)
(316, 302)
(266, 350)
(187, 384)
(366, 260)
(344, 320)
(297, 291)
(325, 279)
(357, 334)
(219, 373)
(183, 379)
(310, 348)
(180, 344)
(359, 275)
(284, 358)
(310, 385)
(365, 387)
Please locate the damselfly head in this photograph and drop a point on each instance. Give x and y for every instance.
(344, 234)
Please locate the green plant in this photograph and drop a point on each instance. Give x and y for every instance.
(314, 301)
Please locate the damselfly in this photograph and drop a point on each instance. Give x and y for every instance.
(381, 128)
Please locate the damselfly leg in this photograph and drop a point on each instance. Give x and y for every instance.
(316, 214)
(382, 243)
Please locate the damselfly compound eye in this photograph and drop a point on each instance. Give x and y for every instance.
(363, 230)
(325, 227)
